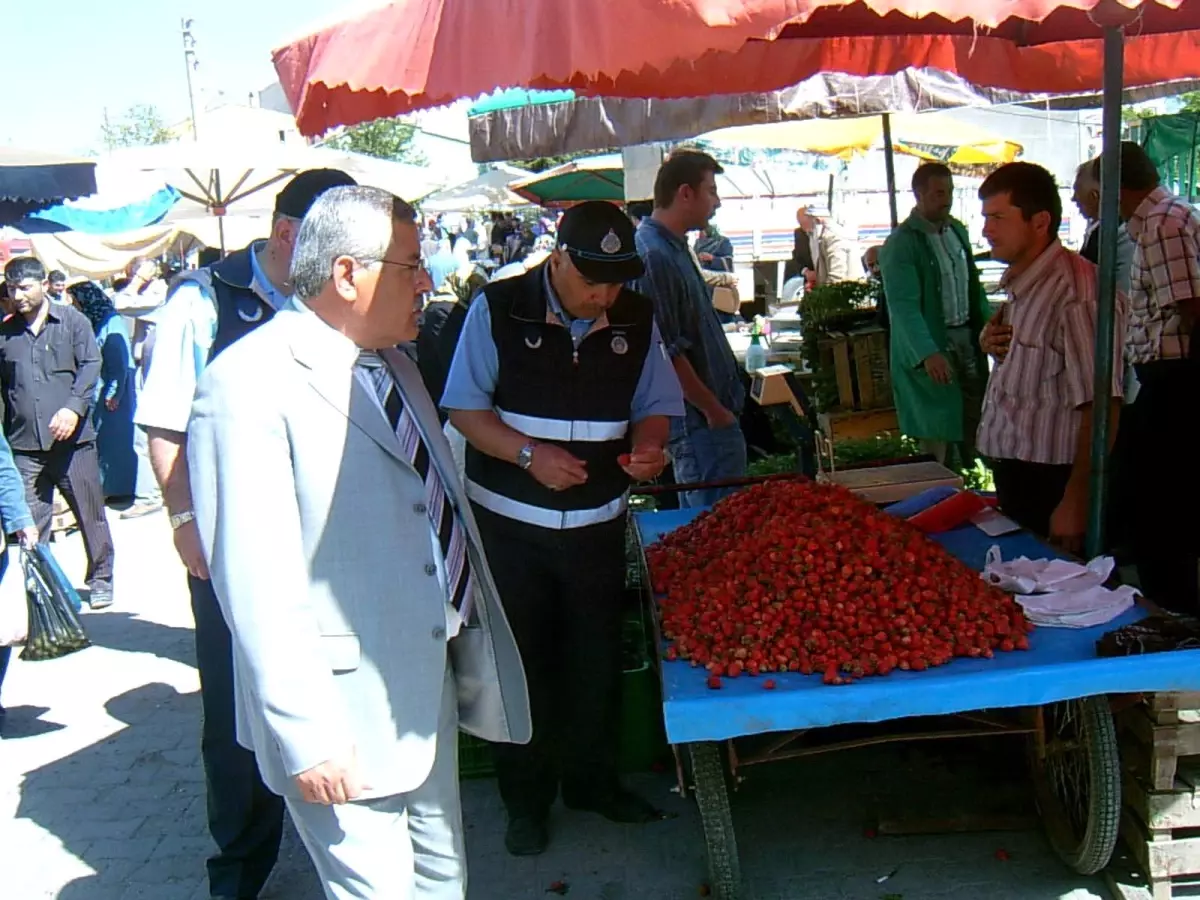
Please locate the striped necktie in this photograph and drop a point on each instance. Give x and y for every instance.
(450, 533)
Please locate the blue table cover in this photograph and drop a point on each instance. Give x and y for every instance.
(1061, 664)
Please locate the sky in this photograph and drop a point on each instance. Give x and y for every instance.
(81, 57)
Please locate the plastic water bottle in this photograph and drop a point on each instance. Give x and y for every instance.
(756, 354)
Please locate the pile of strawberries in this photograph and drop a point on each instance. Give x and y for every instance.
(805, 577)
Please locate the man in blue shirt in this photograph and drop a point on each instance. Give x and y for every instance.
(563, 391)
(706, 442)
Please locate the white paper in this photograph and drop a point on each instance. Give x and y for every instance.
(993, 524)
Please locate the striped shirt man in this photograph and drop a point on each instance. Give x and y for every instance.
(1031, 411)
(1165, 272)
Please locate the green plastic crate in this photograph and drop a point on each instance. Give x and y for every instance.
(474, 757)
(642, 741)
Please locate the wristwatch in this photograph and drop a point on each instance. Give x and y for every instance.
(525, 457)
(180, 519)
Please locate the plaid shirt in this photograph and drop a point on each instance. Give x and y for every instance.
(1165, 272)
(1031, 409)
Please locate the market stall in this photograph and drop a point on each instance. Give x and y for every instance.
(1053, 692)
(1023, 45)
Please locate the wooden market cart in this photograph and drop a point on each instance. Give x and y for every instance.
(1055, 694)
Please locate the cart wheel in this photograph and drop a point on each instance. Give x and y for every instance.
(1077, 779)
(712, 797)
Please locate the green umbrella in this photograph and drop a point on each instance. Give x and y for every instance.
(595, 178)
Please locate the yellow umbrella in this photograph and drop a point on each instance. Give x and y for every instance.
(925, 136)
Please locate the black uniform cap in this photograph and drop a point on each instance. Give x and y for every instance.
(299, 193)
(598, 237)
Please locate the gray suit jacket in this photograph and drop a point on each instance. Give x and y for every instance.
(313, 524)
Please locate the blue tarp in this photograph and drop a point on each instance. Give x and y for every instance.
(1060, 664)
(101, 221)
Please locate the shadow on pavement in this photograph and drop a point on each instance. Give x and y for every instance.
(26, 721)
(130, 807)
(132, 634)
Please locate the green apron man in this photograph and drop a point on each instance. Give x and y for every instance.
(937, 309)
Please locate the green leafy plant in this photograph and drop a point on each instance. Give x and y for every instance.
(831, 307)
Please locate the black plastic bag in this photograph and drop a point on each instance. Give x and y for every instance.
(1155, 634)
(54, 628)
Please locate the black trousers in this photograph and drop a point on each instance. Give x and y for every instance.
(244, 817)
(1028, 493)
(1155, 489)
(75, 470)
(562, 592)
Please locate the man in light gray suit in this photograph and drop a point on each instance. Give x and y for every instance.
(366, 626)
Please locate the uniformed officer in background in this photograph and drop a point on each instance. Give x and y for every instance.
(563, 390)
(206, 311)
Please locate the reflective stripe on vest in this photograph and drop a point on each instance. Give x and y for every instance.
(544, 518)
(563, 429)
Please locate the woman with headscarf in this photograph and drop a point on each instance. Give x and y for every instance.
(112, 407)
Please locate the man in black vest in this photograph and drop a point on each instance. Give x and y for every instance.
(206, 311)
(563, 390)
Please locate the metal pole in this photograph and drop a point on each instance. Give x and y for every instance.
(1191, 194)
(189, 60)
(1110, 184)
(889, 164)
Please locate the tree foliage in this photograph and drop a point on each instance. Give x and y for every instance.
(382, 138)
(542, 163)
(139, 126)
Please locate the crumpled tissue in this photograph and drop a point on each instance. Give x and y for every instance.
(1059, 593)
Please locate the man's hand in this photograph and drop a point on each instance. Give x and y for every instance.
(332, 782)
(556, 468)
(938, 368)
(996, 337)
(187, 545)
(1068, 523)
(644, 463)
(810, 279)
(112, 403)
(63, 425)
(28, 536)
(719, 417)
(704, 257)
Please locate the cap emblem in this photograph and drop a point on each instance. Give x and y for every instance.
(611, 243)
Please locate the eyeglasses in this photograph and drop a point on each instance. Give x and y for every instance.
(410, 267)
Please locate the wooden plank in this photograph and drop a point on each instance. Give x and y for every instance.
(841, 370)
(1174, 700)
(853, 425)
(888, 484)
(1161, 810)
(861, 353)
(1159, 855)
(1156, 749)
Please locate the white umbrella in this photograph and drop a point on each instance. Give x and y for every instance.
(219, 179)
(486, 192)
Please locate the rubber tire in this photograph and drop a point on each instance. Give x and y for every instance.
(712, 798)
(1098, 741)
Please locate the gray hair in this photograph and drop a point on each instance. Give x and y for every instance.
(352, 221)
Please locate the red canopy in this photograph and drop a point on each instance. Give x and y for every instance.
(414, 54)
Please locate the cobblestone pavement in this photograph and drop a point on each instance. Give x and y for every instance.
(102, 795)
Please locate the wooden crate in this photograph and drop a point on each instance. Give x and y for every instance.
(859, 360)
(1160, 823)
(1157, 740)
(840, 426)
